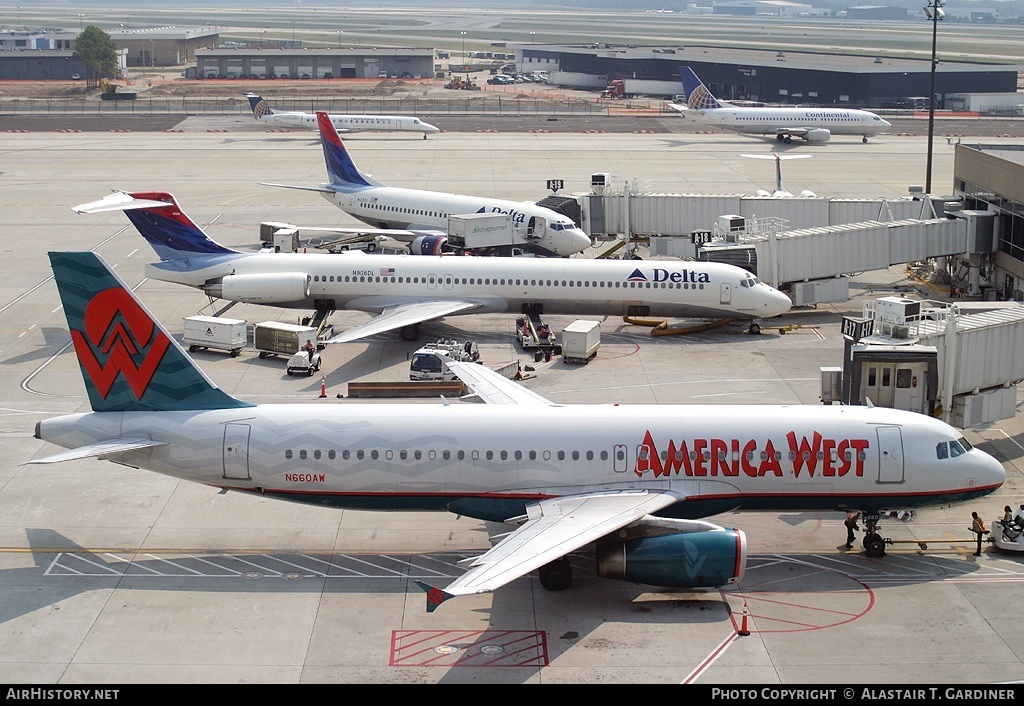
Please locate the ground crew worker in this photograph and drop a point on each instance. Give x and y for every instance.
(978, 527)
(851, 526)
(310, 349)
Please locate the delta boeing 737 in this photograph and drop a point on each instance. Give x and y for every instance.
(810, 124)
(632, 479)
(408, 214)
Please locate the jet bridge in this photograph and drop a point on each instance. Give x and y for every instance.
(957, 361)
(812, 263)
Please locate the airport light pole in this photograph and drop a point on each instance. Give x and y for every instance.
(339, 38)
(465, 59)
(81, 18)
(933, 10)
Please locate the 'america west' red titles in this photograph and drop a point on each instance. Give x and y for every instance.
(756, 458)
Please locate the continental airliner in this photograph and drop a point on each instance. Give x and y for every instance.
(809, 124)
(635, 481)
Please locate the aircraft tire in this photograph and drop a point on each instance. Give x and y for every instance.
(874, 545)
(556, 575)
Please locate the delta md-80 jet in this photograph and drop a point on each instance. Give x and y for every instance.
(810, 124)
(263, 113)
(416, 215)
(404, 291)
(633, 480)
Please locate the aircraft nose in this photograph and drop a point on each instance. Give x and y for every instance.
(991, 472)
(430, 129)
(778, 303)
(580, 241)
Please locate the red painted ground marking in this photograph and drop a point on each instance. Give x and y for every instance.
(468, 648)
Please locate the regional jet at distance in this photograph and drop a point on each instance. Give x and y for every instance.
(810, 124)
(632, 479)
(403, 291)
(415, 214)
(262, 111)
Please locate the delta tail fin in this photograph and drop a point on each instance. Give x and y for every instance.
(698, 97)
(341, 170)
(260, 108)
(160, 220)
(129, 361)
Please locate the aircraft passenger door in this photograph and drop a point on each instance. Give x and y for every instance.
(236, 451)
(890, 455)
(535, 228)
(620, 458)
(431, 281)
(878, 384)
(725, 296)
(448, 280)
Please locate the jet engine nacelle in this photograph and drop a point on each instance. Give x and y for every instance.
(428, 245)
(705, 559)
(818, 135)
(271, 288)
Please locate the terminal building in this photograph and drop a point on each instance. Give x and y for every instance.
(769, 76)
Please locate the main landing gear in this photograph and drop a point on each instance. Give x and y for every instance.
(784, 138)
(410, 332)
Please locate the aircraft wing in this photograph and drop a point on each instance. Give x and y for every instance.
(794, 131)
(318, 189)
(403, 315)
(101, 449)
(494, 388)
(403, 235)
(552, 528)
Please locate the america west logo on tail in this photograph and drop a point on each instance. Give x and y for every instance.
(118, 331)
(128, 360)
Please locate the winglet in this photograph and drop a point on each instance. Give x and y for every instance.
(435, 596)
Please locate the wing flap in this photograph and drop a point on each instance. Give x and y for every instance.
(494, 388)
(403, 315)
(101, 449)
(555, 527)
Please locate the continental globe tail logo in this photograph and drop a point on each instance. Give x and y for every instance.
(119, 338)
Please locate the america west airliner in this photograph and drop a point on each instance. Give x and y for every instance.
(810, 124)
(263, 113)
(632, 479)
(404, 291)
(408, 214)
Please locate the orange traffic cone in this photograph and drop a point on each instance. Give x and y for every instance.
(323, 386)
(743, 623)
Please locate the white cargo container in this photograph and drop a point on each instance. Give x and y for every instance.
(580, 341)
(481, 230)
(201, 332)
(276, 338)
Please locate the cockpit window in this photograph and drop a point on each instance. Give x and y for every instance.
(955, 449)
(965, 443)
(942, 450)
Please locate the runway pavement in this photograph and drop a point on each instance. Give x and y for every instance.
(137, 578)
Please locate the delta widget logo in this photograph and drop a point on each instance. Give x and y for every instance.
(118, 333)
